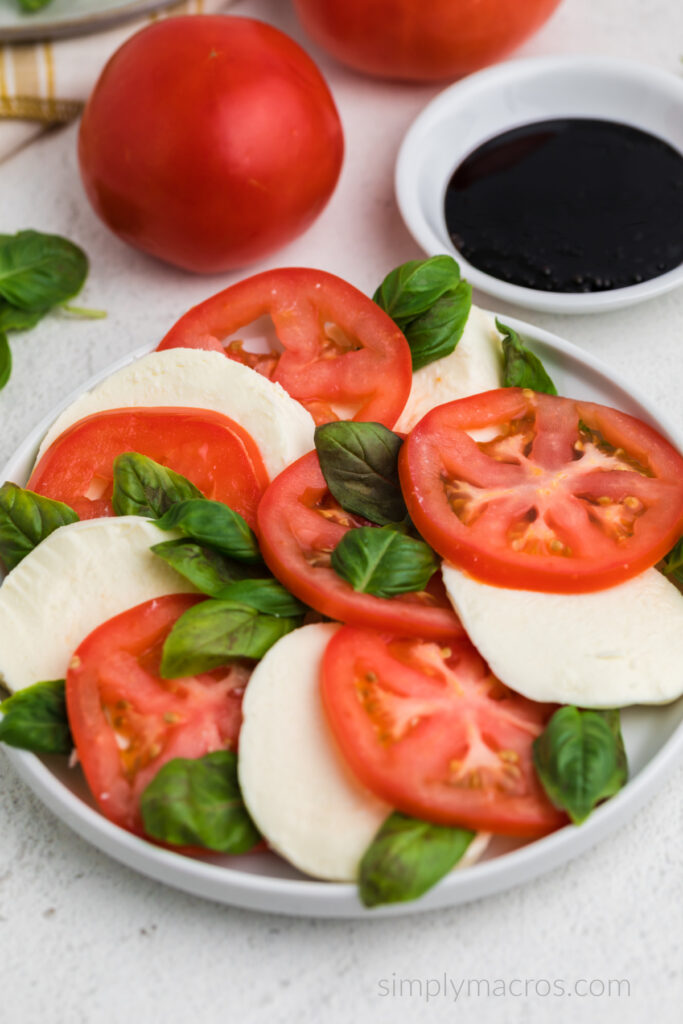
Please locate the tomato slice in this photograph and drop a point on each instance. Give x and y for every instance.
(127, 721)
(300, 524)
(432, 731)
(567, 497)
(212, 451)
(335, 350)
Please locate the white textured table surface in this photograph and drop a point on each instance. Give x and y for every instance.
(83, 939)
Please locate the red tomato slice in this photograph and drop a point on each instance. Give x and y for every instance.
(568, 497)
(212, 451)
(300, 524)
(337, 352)
(431, 731)
(127, 721)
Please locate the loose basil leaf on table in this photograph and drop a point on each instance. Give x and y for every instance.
(580, 759)
(407, 857)
(521, 368)
(198, 803)
(13, 319)
(26, 519)
(430, 303)
(142, 487)
(209, 570)
(360, 464)
(215, 524)
(215, 632)
(5, 359)
(33, 5)
(38, 271)
(35, 719)
(383, 562)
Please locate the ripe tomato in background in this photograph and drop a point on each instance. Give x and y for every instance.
(424, 41)
(210, 141)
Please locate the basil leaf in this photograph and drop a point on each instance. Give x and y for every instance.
(213, 633)
(5, 360)
(360, 464)
(209, 570)
(407, 857)
(521, 368)
(672, 564)
(198, 803)
(383, 562)
(580, 759)
(26, 519)
(215, 524)
(429, 302)
(267, 596)
(13, 319)
(142, 487)
(33, 5)
(38, 271)
(35, 719)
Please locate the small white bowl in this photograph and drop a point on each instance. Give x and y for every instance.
(507, 96)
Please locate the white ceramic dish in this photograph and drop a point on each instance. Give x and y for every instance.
(70, 17)
(515, 93)
(653, 737)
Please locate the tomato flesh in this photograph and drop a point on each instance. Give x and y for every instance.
(337, 352)
(212, 451)
(127, 722)
(300, 524)
(568, 496)
(432, 731)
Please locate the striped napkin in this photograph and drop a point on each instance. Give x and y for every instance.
(47, 83)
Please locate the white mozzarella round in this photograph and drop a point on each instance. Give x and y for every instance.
(475, 365)
(280, 426)
(72, 582)
(299, 791)
(610, 648)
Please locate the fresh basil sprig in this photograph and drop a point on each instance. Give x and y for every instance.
(430, 303)
(672, 564)
(35, 719)
(209, 570)
(198, 803)
(407, 857)
(580, 759)
(26, 519)
(143, 487)
(383, 562)
(213, 633)
(360, 464)
(215, 524)
(521, 368)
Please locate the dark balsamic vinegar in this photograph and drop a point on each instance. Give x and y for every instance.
(573, 205)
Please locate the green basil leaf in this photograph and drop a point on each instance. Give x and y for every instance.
(142, 487)
(521, 368)
(209, 570)
(429, 302)
(383, 562)
(26, 519)
(213, 633)
(35, 719)
(580, 759)
(5, 360)
(38, 271)
(13, 319)
(215, 524)
(198, 803)
(407, 857)
(33, 5)
(360, 464)
(267, 596)
(672, 564)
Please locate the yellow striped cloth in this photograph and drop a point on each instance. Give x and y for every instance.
(47, 83)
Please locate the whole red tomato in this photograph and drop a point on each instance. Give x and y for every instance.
(424, 40)
(210, 141)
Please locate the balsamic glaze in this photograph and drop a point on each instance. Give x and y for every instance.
(572, 205)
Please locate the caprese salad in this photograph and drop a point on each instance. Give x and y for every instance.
(342, 576)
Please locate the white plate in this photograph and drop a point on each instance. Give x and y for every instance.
(512, 94)
(70, 17)
(653, 737)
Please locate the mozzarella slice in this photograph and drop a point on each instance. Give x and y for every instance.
(610, 648)
(299, 791)
(72, 582)
(475, 365)
(280, 426)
